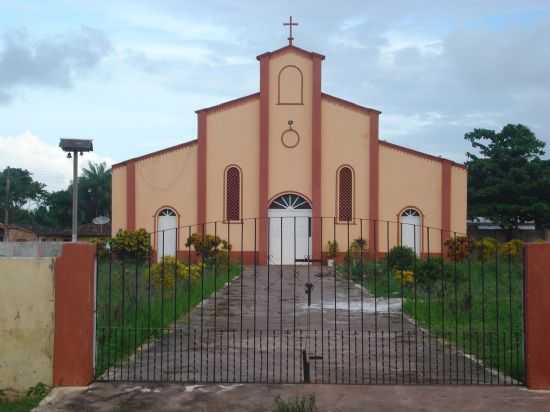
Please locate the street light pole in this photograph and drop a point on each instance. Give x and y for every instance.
(75, 197)
(75, 146)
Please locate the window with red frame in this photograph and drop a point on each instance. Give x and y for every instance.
(345, 194)
(233, 193)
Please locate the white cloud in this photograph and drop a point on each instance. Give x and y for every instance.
(395, 125)
(47, 162)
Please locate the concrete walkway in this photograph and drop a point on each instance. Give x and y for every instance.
(259, 328)
(103, 397)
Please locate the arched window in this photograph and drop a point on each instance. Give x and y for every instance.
(290, 85)
(345, 194)
(232, 193)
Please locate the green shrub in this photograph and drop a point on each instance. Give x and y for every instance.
(431, 272)
(162, 273)
(401, 258)
(100, 246)
(332, 249)
(486, 248)
(298, 404)
(131, 244)
(207, 246)
(512, 248)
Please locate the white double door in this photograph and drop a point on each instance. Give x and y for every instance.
(289, 236)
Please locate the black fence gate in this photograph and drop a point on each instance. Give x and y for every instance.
(275, 301)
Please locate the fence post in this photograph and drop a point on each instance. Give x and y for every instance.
(537, 313)
(74, 315)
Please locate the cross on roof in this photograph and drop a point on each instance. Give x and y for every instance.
(290, 24)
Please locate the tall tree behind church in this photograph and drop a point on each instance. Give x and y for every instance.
(508, 179)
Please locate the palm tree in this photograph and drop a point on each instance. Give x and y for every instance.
(95, 191)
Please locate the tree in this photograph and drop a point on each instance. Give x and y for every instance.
(23, 190)
(94, 191)
(507, 177)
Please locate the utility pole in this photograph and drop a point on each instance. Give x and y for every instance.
(7, 205)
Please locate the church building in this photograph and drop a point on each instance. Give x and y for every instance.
(282, 171)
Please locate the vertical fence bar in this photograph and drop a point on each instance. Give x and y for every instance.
(228, 278)
(241, 308)
(362, 245)
(254, 306)
(375, 232)
(335, 311)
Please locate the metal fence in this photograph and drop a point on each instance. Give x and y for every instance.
(393, 303)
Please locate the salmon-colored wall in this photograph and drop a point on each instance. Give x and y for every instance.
(345, 140)
(168, 179)
(290, 168)
(407, 180)
(118, 199)
(233, 139)
(459, 200)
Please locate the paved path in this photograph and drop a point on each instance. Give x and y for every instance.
(260, 328)
(106, 397)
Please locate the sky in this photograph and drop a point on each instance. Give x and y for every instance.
(130, 74)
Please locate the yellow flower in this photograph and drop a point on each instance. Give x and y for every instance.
(405, 276)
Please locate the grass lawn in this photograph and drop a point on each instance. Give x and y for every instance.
(23, 403)
(478, 306)
(132, 307)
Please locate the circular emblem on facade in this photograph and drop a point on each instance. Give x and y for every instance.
(290, 137)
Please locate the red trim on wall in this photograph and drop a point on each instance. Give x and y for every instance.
(74, 315)
(201, 169)
(157, 153)
(374, 181)
(537, 313)
(229, 103)
(446, 200)
(131, 196)
(316, 159)
(264, 157)
(288, 48)
(420, 154)
(347, 103)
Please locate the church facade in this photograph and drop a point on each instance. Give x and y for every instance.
(290, 167)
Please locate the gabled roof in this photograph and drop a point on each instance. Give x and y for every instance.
(419, 153)
(349, 104)
(229, 103)
(290, 47)
(157, 153)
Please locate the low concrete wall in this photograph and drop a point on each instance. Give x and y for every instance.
(30, 249)
(26, 322)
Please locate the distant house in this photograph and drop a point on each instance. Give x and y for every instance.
(25, 233)
(87, 231)
(17, 233)
(480, 227)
